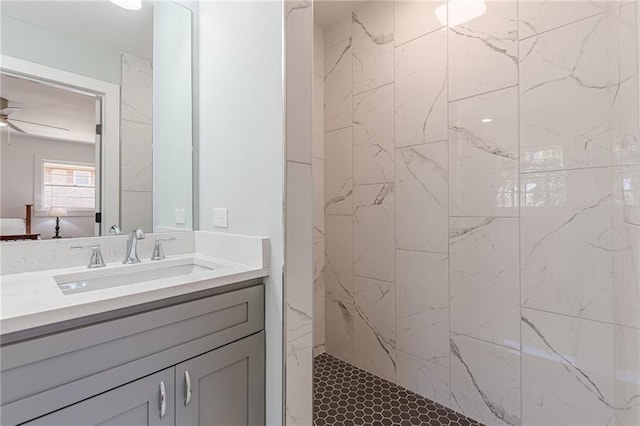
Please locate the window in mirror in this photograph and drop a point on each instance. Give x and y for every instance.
(69, 185)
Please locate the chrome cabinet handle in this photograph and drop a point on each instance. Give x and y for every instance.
(187, 393)
(163, 400)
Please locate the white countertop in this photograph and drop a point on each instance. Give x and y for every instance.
(33, 299)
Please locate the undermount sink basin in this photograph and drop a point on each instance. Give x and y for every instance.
(188, 270)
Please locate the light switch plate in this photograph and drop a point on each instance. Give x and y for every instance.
(220, 217)
(180, 217)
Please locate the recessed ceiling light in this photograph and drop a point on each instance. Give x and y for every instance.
(128, 4)
(3, 124)
(487, 120)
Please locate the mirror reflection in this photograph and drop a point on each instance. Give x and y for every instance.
(95, 118)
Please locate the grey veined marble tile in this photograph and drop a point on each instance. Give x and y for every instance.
(374, 327)
(483, 52)
(372, 38)
(484, 266)
(136, 96)
(339, 330)
(416, 18)
(338, 262)
(567, 243)
(373, 136)
(578, 95)
(421, 90)
(571, 372)
(483, 155)
(338, 182)
(373, 231)
(422, 197)
(422, 306)
(337, 86)
(485, 381)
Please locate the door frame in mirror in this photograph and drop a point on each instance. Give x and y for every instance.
(110, 149)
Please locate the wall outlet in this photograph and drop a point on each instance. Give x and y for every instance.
(220, 218)
(180, 217)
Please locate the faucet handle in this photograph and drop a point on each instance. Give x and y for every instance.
(165, 239)
(115, 230)
(96, 260)
(158, 251)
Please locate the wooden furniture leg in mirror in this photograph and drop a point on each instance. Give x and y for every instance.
(27, 228)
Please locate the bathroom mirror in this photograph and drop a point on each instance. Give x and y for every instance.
(96, 117)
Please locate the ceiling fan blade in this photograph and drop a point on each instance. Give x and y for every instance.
(16, 128)
(8, 110)
(39, 124)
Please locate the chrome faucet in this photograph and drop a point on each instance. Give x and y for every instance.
(131, 256)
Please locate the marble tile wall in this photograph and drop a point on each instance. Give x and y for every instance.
(482, 193)
(318, 191)
(340, 313)
(580, 289)
(136, 154)
(302, 234)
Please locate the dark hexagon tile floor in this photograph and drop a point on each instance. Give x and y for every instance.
(345, 395)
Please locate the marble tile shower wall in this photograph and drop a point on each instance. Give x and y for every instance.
(318, 190)
(482, 207)
(299, 233)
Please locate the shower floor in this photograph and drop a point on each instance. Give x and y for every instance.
(346, 395)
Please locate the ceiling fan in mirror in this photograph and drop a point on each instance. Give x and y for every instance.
(5, 111)
(6, 121)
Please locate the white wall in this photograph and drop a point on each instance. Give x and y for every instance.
(241, 144)
(17, 180)
(35, 44)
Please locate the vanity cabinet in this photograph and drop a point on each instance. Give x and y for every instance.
(195, 362)
(221, 388)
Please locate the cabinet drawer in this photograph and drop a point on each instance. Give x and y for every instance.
(48, 373)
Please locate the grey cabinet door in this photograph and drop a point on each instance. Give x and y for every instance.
(227, 386)
(135, 404)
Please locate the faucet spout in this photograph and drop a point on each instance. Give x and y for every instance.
(131, 255)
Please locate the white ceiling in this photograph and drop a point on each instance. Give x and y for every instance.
(327, 12)
(40, 103)
(98, 22)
